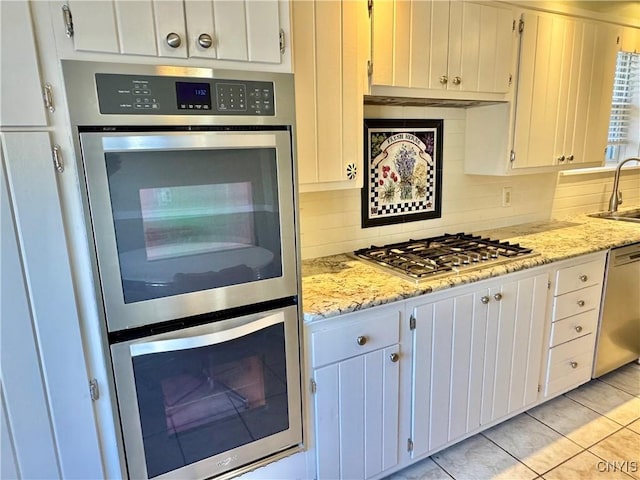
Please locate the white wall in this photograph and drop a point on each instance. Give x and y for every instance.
(330, 221)
(589, 193)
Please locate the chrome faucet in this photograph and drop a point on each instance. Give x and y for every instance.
(616, 196)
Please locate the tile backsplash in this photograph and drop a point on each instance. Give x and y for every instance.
(330, 221)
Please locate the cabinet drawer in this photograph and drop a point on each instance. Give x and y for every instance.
(573, 327)
(570, 364)
(579, 276)
(580, 301)
(354, 338)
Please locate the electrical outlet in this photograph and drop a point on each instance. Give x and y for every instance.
(507, 193)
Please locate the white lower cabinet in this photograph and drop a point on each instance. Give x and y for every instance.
(477, 358)
(355, 375)
(574, 323)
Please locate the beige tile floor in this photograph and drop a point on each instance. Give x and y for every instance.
(592, 432)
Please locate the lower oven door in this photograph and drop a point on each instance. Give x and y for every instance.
(197, 402)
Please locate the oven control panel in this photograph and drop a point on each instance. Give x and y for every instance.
(164, 95)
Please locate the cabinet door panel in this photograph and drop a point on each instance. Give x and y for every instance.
(263, 30)
(401, 43)
(136, 30)
(461, 362)
(495, 50)
(327, 411)
(382, 27)
(94, 25)
(199, 17)
(439, 44)
(423, 377)
(505, 351)
(352, 420)
(20, 95)
(169, 17)
(231, 28)
(421, 27)
(466, 63)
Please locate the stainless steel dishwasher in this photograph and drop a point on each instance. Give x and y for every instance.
(619, 331)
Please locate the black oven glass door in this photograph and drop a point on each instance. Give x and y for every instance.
(209, 398)
(175, 214)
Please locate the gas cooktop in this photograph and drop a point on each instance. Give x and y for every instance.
(448, 254)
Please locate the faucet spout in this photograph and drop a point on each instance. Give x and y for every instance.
(614, 201)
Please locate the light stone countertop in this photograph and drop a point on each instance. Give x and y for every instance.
(340, 284)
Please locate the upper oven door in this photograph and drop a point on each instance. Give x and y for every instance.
(186, 223)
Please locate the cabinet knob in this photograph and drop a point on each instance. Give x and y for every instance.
(361, 340)
(485, 299)
(583, 278)
(444, 79)
(394, 357)
(205, 40)
(561, 159)
(570, 158)
(457, 80)
(574, 364)
(498, 296)
(578, 329)
(581, 303)
(174, 40)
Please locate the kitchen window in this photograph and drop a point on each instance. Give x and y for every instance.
(624, 122)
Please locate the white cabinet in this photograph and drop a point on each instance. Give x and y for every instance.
(477, 358)
(440, 45)
(21, 89)
(237, 31)
(630, 40)
(330, 51)
(574, 321)
(560, 115)
(41, 337)
(355, 361)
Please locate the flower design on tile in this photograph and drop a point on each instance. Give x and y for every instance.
(405, 160)
(352, 171)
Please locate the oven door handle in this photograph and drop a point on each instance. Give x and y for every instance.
(189, 342)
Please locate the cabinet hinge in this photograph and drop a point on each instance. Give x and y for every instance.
(283, 45)
(94, 391)
(510, 79)
(512, 156)
(67, 18)
(521, 26)
(47, 93)
(513, 27)
(369, 68)
(313, 386)
(539, 388)
(548, 284)
(370, 7)
(409, 445)
(412, 322)
(58, 163)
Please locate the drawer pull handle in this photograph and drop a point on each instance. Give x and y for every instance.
(361, 340)
(574, 364)
(498, 296)
(394, 357)
(485, 299)
(578, 329)
(581, 303)
(583, 278)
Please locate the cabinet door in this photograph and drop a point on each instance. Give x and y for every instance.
(330, 70)
(20, 87)
(449, 342)
(481, 40)
(47, 278)
(477, 358)
(356, 404)
(170, 25)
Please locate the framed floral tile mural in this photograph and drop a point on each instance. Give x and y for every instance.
(403, 171)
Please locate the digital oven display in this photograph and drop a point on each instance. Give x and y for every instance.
(193, 96)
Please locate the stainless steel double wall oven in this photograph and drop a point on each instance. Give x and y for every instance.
(189, 192)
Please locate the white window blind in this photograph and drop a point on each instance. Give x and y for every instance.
(624, 90)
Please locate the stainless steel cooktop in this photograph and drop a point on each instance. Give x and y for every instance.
(448, 254)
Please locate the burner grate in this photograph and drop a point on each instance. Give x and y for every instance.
(447, 254)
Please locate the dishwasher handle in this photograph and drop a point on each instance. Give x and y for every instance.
(624, 255)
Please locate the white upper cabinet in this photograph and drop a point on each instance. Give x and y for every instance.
(21, 89)
(560, 115)
(248, 31)
(330, 60)
(451, 46)
(630, 40)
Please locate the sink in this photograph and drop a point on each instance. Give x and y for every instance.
(627, 216)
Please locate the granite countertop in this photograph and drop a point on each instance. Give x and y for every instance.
(340, 284)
